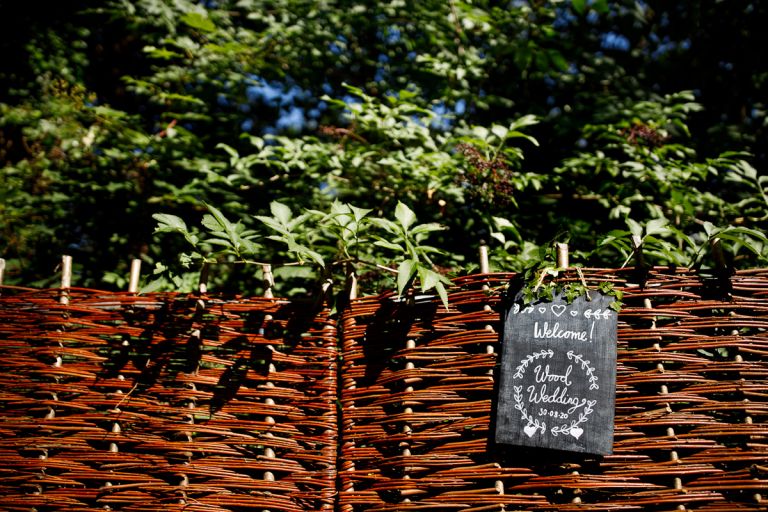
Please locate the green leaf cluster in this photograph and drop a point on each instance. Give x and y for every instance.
(336, 244)
(247, 130)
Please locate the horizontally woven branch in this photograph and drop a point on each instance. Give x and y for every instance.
(111, 401)
(189, 391)
(698, 443)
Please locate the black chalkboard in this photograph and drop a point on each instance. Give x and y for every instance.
(558, 375)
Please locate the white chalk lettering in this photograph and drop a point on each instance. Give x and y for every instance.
(557, 332)
(545, 376)
(558, 396)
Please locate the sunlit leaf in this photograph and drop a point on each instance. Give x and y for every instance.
(404, 215)
(198, 21)
(405, 271)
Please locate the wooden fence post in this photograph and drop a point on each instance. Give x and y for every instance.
(269, 452)
(485, 264)
(133, 280)
(562, 255)
(66, 279)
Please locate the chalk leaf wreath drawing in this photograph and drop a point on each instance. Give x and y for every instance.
(533, 425)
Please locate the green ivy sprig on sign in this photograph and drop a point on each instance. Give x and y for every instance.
(540, 283)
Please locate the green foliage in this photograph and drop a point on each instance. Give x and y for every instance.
(347, 239)
(245, 131)
(540, 282)
(668, 199)
(407, 241)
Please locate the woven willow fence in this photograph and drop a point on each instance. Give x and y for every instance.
(168, 402)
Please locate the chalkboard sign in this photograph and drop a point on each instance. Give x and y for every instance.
(558, 375)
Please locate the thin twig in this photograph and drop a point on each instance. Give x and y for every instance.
(368, 263)
(127, 395)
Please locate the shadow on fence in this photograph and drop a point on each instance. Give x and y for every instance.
(153, 403)
(124, 402)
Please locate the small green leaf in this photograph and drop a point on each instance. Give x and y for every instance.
(738, 240)
(499, 131)
(314, 256)
(153, 285)
(656, 227)
(499, 236)
(427, 228)
(273, 224)
(429, 278)
(404, 215)
(221, 219)
(443, 293)
(523, 56)
(389, 245)
(527, 120)
(210, 223)
(359, 213)
(250, 247)
(281, 212)
(634, 227)
(405, 271)
(169, 223)
(232, 152)
(749, 232)
(198, 21)
(556, 58)
(600, 6)
(520, 135)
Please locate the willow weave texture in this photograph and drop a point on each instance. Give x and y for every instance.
(175, 402)
(165, 402)
(418, 386)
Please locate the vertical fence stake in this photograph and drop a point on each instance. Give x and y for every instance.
(346, 382)
(485, 264)
(269, 452)
(637, 246)
(202, 289)
(405, 446)
(66, 279)
(133, 280)
(664, 390)
(66, 282)
(202, 285)
(352, 285)
(269, 281)
(485, 268)
(577, 491)
(2, 272)
(717, 253)
(562, 255)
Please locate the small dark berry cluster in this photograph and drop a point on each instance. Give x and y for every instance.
(488, 180)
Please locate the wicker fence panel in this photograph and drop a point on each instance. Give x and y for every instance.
(691, 403)
(165, 402)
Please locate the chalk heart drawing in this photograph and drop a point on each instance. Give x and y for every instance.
(542, 309)
(574, 312)
(558, 309)
(530, 424)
